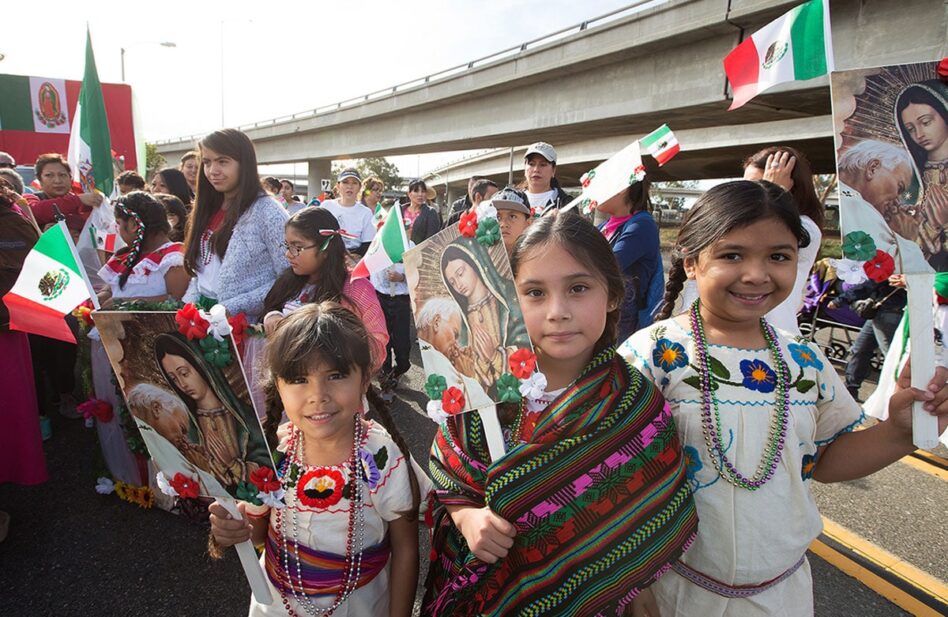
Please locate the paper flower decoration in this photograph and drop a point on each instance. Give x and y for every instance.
(587, 178)
(849, 271)
(522, 363)
(248, 492)
(943, 70)
(452, 400)
(435, 386)
(265, 480)
(104, 486)
(858, 246)
(216, 352)
(468, 224)
(274, 499)
(217, 318)
(488, 232)
(436, 412)
(638, 174)
(190, 322)
(83, 314)
(96, 408)
(184, 486)
(508, 388)
(164, 485)
(534, 386)
(880, 267)
(485, 211)
(239, 327)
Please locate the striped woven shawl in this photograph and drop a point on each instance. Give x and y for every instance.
(598, 497)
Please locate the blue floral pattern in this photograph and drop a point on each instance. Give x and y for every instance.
(758, 376)
(809, 464)
(669, 355)
(804, 356)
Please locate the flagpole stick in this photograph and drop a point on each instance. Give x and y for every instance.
(248, 558)
(921, 327)
(493, 432)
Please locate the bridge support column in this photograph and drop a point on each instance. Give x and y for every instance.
(319, 170)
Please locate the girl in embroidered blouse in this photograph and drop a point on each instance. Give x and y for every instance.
(347, 539)
(759, 413)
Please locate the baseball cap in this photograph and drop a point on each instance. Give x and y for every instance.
(510, 198)
(349, 172)
(543, 149)
(7, 160)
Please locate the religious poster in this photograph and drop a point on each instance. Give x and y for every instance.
(474, 344)
(891, 131)
(182, 380)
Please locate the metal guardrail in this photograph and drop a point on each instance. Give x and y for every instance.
(596, 22)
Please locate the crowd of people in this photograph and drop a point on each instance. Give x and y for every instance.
(662, 467)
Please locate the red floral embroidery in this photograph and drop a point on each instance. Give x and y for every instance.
(452, 400)
(879, 267)
(320, 487)
(190, 322)
(522, 363)
(239, 325)
(184, 486)
(468, 224)
(265, 480)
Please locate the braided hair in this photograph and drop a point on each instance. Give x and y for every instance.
(326, 332)
(148, 212)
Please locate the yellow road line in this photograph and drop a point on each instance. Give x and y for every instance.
(924, 466)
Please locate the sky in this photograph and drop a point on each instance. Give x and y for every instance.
(279, 57)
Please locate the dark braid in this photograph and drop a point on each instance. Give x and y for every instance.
(676, 282)
(383, 411)
(274, 405)
(152, 220)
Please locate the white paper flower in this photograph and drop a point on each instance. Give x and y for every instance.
(164, 486)
(436, 412)
(849, 271)
(486, 211)
(274, 499)
(533, 386)
(217, 318)
(104, 486)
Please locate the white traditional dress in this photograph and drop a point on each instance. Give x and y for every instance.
(746, 537)
(316, 497)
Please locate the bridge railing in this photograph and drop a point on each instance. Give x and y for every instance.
(596, 22)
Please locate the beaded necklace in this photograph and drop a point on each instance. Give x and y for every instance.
(711, 426)
(355, 536)
(205, 243)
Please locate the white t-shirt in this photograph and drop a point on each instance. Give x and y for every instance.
(356, 220)
(539, 200)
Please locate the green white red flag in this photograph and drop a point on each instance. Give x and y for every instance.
(661, 144)
(796, 47)
(90, 145)
(387, 246)
(51, 284)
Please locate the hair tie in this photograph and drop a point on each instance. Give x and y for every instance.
(136, 245)
(338, 232)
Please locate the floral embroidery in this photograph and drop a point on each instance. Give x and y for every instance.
(370, 469)
(669, 355)
(804, 356)
(879, 267)
(809, 464)
(692, 462)
(320, 487)
(758, 376)
(858, 246)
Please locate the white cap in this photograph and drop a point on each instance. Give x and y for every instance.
(543, 149)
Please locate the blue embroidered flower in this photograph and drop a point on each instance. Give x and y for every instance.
(804, 356)
(809, 464)
(669, 355)
(692, 462)
(370, 470)
(758, 376)
(665, 381)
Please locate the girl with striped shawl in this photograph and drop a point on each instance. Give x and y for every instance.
(589, 506)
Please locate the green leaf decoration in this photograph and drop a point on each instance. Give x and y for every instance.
(346, 492)
(216, 352)
(248, 492)
(292, 476)
(695, 382)
(508, 388)
(381, 458)
(488, 232)
(435, 386)
(804, 385)
(718, 368)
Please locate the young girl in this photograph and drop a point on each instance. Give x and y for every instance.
(232, 248)
(149, 268)
(347, 543)
(589, 506)
(759, 413)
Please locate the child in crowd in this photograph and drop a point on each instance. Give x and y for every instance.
(232, 248)
(759, 413)
(355, 220)
(149, 268)
(347, 541)
(513, 213)
(177, 215)
(589, 506)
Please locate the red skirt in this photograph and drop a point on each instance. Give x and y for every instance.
(21, 446)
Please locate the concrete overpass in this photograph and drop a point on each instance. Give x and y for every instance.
(590, 89)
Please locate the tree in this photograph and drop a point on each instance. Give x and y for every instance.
(154, 160)
(373, 166)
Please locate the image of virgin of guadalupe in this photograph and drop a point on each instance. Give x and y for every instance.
(492, 324)
(921, 115)
(223, 435)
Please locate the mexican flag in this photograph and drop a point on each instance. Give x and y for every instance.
(661, 144)
(387, 246)
(50, 285)
(796, 47)
(90, 145)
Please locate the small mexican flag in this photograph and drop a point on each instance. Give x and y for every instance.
(387, 246)
(796, 47)
(90, 145)
(50, 285)
(661, 144)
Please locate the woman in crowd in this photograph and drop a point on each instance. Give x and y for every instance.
(421, 220)
(177, 215)
(172, 182)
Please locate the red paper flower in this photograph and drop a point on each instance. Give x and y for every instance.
(468, 224)
(84, 314)
(96, 408)
(239, 325)
(184, 486)
(265, 480)
(190, 322)
(879, 267)
(452, 401)
(522, 363)
(943, 70)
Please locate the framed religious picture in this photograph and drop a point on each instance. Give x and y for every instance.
(891, 130)
(182, 380)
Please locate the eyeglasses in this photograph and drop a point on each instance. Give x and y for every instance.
(295, 251)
